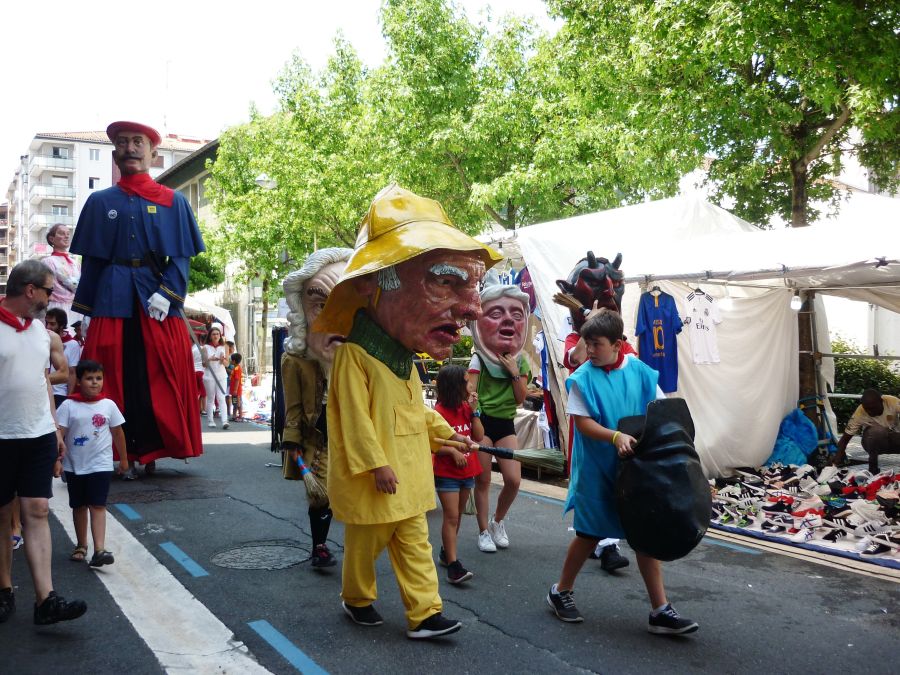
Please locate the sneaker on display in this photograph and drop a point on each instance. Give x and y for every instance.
(563, 605)
(322, 557)
(611, 559)
(669, 622)
(457, 574)
(498, 533)
(485, 543)
(364, 616)
(434, 626)
(56, 608)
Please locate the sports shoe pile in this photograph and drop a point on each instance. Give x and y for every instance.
(801, 504)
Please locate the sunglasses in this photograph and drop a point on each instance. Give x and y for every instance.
(48, 291)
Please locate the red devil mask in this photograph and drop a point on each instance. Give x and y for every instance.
(594, 280)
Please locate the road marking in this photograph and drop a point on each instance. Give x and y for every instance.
(154, 602)
(128, 512)
(184, 560)
(287, 649)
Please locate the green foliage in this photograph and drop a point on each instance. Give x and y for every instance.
(205, 273)
(463, 348)
(852, 376)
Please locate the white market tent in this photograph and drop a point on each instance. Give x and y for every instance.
(683, 242)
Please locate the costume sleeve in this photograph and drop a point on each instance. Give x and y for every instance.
(571, 342)
(855, 422)
(292, 381)
(173, 285)
(349, 382)
(437, 425)
(475, 364)
(91, 269)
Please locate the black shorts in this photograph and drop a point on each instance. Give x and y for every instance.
(88, 489)
(26, 467)
(496, 428)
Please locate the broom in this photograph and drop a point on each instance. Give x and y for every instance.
(541, 458)
(568, 301)
(313, 486)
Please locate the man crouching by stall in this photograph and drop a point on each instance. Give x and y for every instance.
(410, 286)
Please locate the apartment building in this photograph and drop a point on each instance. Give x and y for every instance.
(5, 262)
(53, 181)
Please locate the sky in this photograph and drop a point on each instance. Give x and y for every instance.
(191, 67)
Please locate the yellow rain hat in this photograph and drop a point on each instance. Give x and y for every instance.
(400, 225)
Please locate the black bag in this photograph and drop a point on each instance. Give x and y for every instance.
(662, 495)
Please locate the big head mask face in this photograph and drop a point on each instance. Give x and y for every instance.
(594, 280)
(502, 326)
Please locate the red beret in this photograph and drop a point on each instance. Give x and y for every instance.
(113, 130)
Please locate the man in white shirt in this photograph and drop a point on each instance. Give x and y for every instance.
(30, 443)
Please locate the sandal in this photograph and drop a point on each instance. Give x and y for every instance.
(101, 558)
(79, 554)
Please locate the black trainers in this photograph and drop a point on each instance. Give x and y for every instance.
(456, 573)
(669, 622)
(56, 608)
(611, 560)
(563, 604)
(442, 557)
(101, 558)
(364, 616)
(434, 626)
(7, 603)
(321, 557)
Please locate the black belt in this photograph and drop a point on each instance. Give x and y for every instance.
(129, 262)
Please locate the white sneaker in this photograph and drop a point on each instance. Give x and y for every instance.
(828, 473)
(498, 533)
(485, 543)
(225, 426)
(211, 425)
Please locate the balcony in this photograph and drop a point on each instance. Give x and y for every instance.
(41, 220)
(40, 192)
(40, 163)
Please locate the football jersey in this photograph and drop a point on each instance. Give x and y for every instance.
(702, 318)
(657, 325)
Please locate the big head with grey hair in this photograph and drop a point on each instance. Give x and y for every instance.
(502, 325)
(306, 291)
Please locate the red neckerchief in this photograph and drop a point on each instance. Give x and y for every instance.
(11, 319)
(142, 185)
(65, 337)
(78, 396)
(618, 362)
(63, 254)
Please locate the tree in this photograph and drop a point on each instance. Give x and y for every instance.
(205, 273)
(777, 93)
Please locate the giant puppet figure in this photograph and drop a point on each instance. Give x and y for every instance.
(500, 375)
(136, 240)
(410, 286)
(305, 368)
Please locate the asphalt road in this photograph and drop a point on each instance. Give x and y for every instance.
(242, 533)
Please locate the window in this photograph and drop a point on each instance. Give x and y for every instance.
(94, 155)
(59, 181)
(93, 183)
(60, 153)
(59, 210)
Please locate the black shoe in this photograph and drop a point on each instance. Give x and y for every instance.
(434, 626)
(611, 560)
(321, 557)
(57, 608)
(7, 603)
(101, 558)
(364, 616)
(442, 557)
(563, 604)
(669, 622)
(456, 573)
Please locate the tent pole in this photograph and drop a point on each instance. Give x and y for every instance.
(808, 363)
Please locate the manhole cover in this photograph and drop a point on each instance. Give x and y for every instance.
(261, 557)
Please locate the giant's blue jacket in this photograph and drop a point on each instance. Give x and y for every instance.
(114, 227)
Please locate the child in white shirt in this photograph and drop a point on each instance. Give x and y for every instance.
(90, 424)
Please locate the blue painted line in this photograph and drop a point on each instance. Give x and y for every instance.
(287, 649)
(184, 560)
(128, 512)
(734, 547)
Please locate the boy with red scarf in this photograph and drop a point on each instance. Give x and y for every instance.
(136, 240)
(90, 424)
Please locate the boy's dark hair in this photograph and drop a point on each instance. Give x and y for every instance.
(606, 324)
(59, 315)
(237, 358)
(451, 385)
(87, 366)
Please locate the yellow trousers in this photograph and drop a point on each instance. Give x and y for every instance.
(410, 553)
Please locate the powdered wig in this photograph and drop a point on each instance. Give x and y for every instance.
(293, 292)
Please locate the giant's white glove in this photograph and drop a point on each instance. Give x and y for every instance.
(158, 307)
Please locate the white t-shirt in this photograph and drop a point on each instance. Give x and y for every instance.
(72, 351)
(23, 383)
(198, 359)
(701, 321)
(88, 440)
(216, 368)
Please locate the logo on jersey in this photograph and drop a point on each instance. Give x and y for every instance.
(112, 214)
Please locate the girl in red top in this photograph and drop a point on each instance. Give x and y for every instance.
(455, 471)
